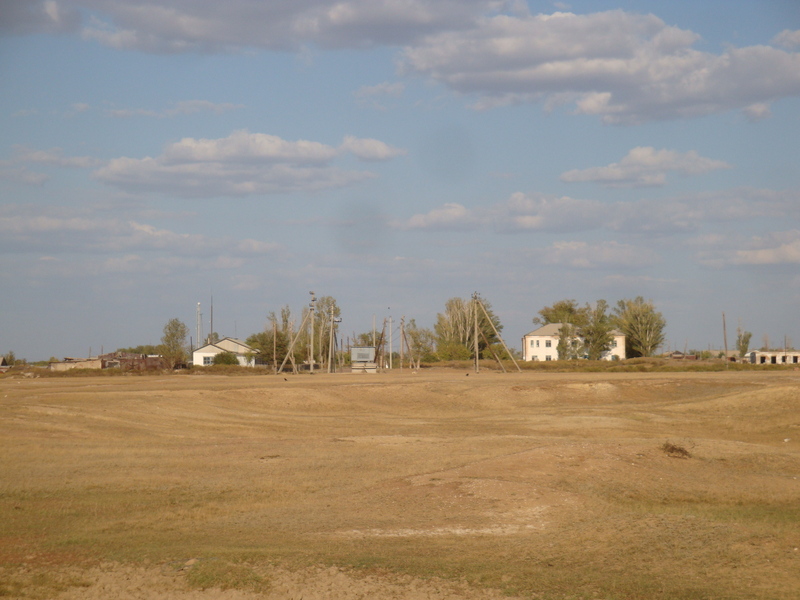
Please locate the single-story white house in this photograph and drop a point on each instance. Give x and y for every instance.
(204, 356)
(542, 344)
(774, 357)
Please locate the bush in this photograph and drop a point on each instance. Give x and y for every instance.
(226, 358)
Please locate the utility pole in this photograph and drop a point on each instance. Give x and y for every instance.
(390, 342)
(725, 338)
(312, 305)
(330, 343)
(402, 337)
(475, 308)
(275, 346)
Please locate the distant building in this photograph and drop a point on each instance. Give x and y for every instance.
(76, 363)
(126, 361)
(775, 357)
(204, 356)
(130, 361)
(542, 344)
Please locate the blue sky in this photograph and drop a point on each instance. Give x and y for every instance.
(393, 154)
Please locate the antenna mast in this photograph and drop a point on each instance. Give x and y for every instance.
(199, 325)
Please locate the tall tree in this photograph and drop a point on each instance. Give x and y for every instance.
(173, 343)
(455, 329)
(322, 325)
(271, 344)
(421, 341)
(597, 332)
(742, 341)
(642, 325)
(569, 345)
(563, 311)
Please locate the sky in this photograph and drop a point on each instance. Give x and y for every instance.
(394, 154)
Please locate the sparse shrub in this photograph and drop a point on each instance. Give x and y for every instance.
(675, 451)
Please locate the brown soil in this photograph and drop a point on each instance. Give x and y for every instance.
(405, 485)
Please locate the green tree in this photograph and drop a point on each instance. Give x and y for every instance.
(173, 343)
(322, 326)
(273, 342)
(225, 358)
(563, 311)
(597, 332)
(364, 339)
(642, 325)
(421, 342)
(143, 349)
(742, 341)
(455, 329)
(569, 346)
(11, 358)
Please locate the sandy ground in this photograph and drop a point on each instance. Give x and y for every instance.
(547, 473)
(123, 582)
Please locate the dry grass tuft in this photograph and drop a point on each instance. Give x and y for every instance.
(675, 451)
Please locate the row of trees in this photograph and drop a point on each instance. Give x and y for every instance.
(453, 336)
(638, 319)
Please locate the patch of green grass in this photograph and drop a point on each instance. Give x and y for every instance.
(215, 573)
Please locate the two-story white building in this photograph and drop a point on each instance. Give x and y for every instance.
(542, 344)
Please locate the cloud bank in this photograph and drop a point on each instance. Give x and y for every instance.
(243, 164)
(621, 67)
(644, 167)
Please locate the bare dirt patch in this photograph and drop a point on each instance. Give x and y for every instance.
(535, 485)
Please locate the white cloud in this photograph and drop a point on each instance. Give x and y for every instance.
(242, 164)
(16, 169)
(757, 112)
(21, 229)
(37, 16)
(369, 149)
(646, 166)
(539, 212)
(186, 107)
(604, 255)
(54, 157)
(522, 213)
(176, 26)
(788, 38)
(12, 171)
(625, 68)
(450, 216)
(781, 248)
(372, 96)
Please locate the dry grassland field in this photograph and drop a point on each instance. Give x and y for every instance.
(440, 484)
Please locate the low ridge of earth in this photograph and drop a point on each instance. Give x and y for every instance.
(402, 486)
